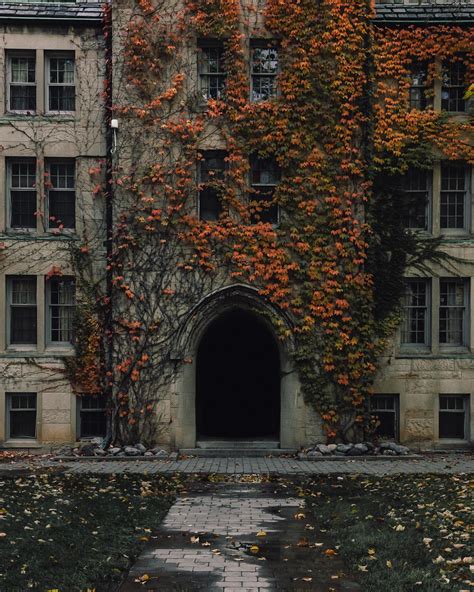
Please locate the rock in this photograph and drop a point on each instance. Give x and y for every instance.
(114, 450)
(344, 448)
(97, 441)
(332, 447)
(314, 454)
(397, 448)
(121, 453)
(100, 452)
(140, 447)
(148, 453)
(389, 452)
(369, 445)
(159, 452)
(131, 451)
(362, 447)
(323, 449)
(66, 451)
(355, 452)
(87, 449)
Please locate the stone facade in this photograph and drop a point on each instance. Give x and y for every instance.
(415, 377)
(42, 137)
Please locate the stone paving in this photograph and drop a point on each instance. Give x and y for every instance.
(238, 537)
(436, 463)
(461, 463)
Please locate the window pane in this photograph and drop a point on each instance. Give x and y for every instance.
(451, 425)
(62, 309)
(414, 328)
(452, 312)
(93, 421)
(62, 208)
(416, 187)
(23, 98)
(23, 175)
(61, 70)
(22, 424)
(23, 291)
(22, 209)
(211, 72)
(209, 204)
(453, 195)
(23, 325)
(61, 175)
(264, 73)
(418, 76)
(454, 83)
(22, 69)
(62, 98)
(263, 208)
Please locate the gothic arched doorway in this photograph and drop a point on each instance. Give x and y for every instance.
(238, 379)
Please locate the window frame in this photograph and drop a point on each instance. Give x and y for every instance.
(22, 54)
(50, 306)
(48, 222)
(417, 67)
(10, 161)
(264, 44)
(9, 305)
(259, 186)
(466, 201)
(201, 184)
(8, 402)
(80, 411)
(465, 282)
(209, 44)
(448, 87)
(426, 346)
(465, 410)
(429, 201)
(48, 84)
(395, 411)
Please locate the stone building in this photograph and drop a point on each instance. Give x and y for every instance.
(52, 134)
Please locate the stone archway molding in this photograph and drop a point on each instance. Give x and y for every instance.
(183, 403)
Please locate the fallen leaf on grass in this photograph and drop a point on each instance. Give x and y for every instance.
(300, 516)
(362, 567)
(303, 542)
(307, 579)
(389, 564)
(330, 552)
(142, 579)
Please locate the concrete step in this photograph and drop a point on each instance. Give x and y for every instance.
(237, 444)
(236, 452)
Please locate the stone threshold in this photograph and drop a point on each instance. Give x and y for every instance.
(344, 458)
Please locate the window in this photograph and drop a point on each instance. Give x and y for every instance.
(453, 417)
(61, 194)
(21, 77)
(385, 409)
(22, 310)
(61, 302)
(417, 189)
(92, 418)
(61, 88)
(264, 70)
(453, 312)
(265, 176)
(212, 74)
(21, 415)
(22, 194)
(454, 86)
(417, 92)
(454, 195)
(211, 169)
(415, 327)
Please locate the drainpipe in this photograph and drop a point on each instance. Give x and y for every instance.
(109, 199)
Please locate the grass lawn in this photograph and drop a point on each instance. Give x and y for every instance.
(400, 533)
(71, 533)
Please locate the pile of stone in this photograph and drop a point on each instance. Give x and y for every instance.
(361, 449)
(94, 448)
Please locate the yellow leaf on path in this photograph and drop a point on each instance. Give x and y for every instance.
(254, 549)
(261, 533)
(399, 528)
(362, 567)
(194, 540)
(371, 551)
(330, 552)
(389, 564)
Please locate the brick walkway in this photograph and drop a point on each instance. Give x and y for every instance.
(209, 541)
(461, 463)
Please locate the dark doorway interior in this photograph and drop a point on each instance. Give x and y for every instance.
(238, 379)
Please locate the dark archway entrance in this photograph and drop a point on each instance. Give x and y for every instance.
(238, 379)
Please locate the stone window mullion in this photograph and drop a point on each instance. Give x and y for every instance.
(435, 299)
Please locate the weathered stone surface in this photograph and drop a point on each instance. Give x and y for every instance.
(114, 450)
(140, 447)
(87, 449)
(100, 452)
(354, 452)
(343, 448)
(332, 447)
(361, 447)
(131, 451)
(314, 454)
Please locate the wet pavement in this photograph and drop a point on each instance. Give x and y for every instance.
(239, 536)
